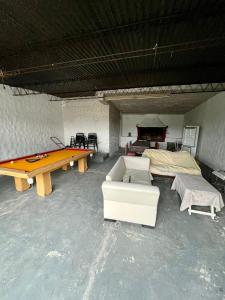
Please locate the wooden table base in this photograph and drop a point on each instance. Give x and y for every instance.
(21, 184)
(44, 184)
(82, 165)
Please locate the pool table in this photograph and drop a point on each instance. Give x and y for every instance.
(41, 165)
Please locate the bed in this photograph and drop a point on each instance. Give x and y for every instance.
(167, 163)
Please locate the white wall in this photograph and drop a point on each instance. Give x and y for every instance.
(210, 116)
(27, 122)
(87, 116)
(175, 125)
(114, 129)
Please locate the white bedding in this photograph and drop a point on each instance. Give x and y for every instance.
(167, 163)
(168, 170)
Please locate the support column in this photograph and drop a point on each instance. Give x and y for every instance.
(82, 165)
(44, 184)
(21, 184)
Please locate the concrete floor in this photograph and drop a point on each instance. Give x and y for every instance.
(58, 247)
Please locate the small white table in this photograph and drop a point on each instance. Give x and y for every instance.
(195, 190)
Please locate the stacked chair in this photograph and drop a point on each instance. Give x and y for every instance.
(82, 141)
(72, 141)
(92, 141)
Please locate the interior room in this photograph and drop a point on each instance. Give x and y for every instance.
(112, 150)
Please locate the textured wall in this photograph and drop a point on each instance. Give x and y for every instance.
(175, 125)
(87, 116)
(114, 130)
(211, 117)
(26, 123)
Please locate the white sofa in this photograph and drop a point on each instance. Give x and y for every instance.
(128, 193)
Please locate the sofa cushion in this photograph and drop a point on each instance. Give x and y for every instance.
(137, 176)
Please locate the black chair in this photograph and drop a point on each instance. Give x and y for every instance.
(171, 146)
(92, 140)
(72, 141)
(80, 140)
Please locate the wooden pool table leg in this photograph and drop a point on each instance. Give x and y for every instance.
(82, 165)
(44, 184)
(66, 167)
(21, 184)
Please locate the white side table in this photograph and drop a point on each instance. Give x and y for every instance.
(195, 190)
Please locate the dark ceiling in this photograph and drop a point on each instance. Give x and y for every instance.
(71, 48)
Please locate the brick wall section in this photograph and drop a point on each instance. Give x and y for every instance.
(175, 125)
(87, 115)
(27, 122)
(210, 115)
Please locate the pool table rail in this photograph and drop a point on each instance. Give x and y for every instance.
(13, 172)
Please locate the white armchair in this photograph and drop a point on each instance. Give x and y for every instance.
(128, 193)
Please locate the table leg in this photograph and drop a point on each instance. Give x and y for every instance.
(189, 210)
(66, 167)
(82, 165)
(21, 184)
(212, 212)
(44, 184)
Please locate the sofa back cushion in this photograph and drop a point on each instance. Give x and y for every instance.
(137, 163)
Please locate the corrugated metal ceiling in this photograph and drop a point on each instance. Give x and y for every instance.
(71, 48)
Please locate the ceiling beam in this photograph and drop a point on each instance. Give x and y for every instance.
(69, 81)
(88, 86)
(121, 56)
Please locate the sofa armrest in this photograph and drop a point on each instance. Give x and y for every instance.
(130, 192)
(117, 171)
